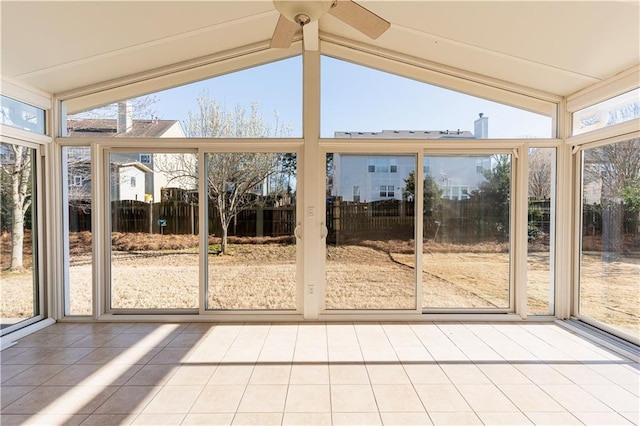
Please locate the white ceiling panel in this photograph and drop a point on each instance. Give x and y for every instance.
(553, 46)
(452, 53)
(583, 37)
(151, 55)
(62, 33)
(46, 34)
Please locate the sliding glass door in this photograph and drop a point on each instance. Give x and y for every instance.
(251, 220)
(21, 295)
(609, 280)
(370, 221)
(153, 204)
(466, 231)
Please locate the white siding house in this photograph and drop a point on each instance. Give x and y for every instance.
(125, 126)
(130, 181)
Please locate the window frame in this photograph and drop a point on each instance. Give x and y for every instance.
(516, 286)
(577, 160)
(310, 145)
(38, 222)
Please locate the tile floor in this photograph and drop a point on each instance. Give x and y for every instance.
(315, 374)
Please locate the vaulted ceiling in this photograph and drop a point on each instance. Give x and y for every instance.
(557, 47)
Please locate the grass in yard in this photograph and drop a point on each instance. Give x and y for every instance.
(155, 271)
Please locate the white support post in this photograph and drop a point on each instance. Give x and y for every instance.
(100, 221)
(521, 160)
(62, 232)
(203, 230)
(418, 209)
(566, 262)
(313, 210)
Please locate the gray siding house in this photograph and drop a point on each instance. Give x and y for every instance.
(369, 178)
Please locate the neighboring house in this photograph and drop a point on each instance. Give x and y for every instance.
(147, 187)
(7, 157)
(368, 178)
(77, 169)
(128, 181)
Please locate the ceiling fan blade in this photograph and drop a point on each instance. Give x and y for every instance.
(360, 18)
(284, 32)
(310, 36)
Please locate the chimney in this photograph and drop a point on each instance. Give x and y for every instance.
(125, 117)
(481, 127)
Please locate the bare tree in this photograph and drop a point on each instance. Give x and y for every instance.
(17, 170)
(624, 113)
(616, 166)
(78, 174)
(540, 174)
(235, 181)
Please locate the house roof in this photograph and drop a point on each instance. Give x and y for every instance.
(559, 47)
(136, 164)
(107, 128)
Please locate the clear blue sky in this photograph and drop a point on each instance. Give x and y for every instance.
(354, 98)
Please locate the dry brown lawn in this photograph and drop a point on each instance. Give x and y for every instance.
(617, 302)
(364, 278)
(374, 275)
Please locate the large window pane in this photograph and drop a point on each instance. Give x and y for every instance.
(154, 230)
(244, 104)
(76, 173)
(466, 244)
(370, 243)
(18, 257)
(610, 252)
(21, 116)
(541, 231)
(251, 221)
(392, 107)
(624, 107)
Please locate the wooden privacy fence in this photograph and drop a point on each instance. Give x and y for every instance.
(540, 214)
(170, 217)
(258, 222)
(453, 221)
(457, 221)
(177, 217)
(80, 217)
(596, 218)
(349, 216)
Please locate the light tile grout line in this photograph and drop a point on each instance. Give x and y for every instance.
(471, 363)
(205, 385)
(534, 383)
(496, 385)
(286, 395)
(329, 374)
(165, 384)
(133, 420)
(413, 385)
(364, 363)
(538, 384)
(245, 386)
